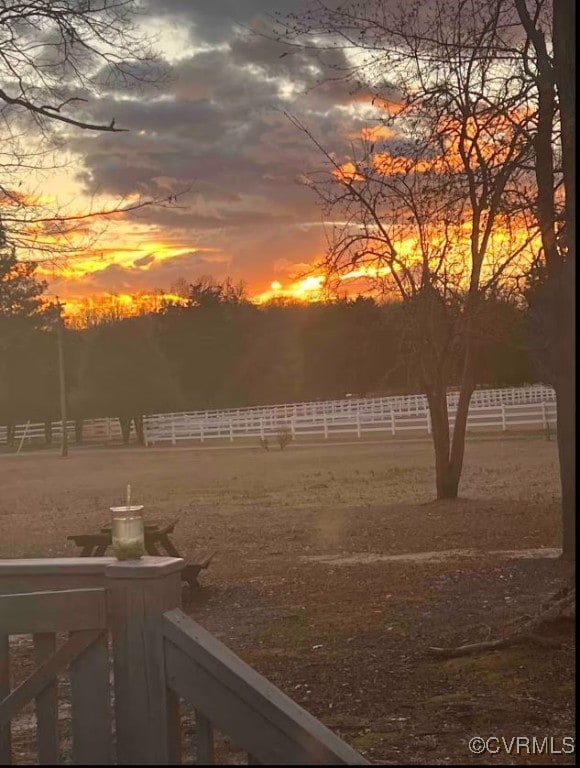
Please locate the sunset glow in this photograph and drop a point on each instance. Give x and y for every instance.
(300, 276)
(243, 216)
(80, 312)
(311, 287)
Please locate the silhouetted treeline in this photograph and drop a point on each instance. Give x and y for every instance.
(221, 351)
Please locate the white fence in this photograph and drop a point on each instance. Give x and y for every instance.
(94, 431)
(501, 409)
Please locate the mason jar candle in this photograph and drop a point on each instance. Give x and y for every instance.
(128, 532)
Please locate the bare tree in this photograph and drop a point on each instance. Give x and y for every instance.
(550, 63)
(54, 59)
(434, 202)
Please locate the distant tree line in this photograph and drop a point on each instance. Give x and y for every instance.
(219, 350)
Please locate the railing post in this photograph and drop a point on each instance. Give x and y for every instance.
(139, 592)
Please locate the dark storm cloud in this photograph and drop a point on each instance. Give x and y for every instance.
(224, 130)
(214, 21)
(218, 125)
(321, 78)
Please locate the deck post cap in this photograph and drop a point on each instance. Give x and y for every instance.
(147, 567)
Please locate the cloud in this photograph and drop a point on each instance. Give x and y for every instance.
(219, 126)
(160, 275)
(144, 261)
(212, 21)
(242, 168)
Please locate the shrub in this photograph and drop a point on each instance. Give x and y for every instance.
(284, 436)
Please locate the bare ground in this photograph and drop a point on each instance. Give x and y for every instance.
(336, 572)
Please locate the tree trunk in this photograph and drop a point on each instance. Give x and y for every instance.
(565, 75)
(565, 386)
(567, 456)
(437, 400)
(449, 452)
(557, 306)
(79, 431)
(459, 434)
(125, 423)
(139, 430)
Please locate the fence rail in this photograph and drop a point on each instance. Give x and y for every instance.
(357, 416)
(93, 430)
(388, 421)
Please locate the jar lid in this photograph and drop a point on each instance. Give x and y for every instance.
(136, 508)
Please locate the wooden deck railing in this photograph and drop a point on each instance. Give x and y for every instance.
(160, 657)
(232, 697)
(82, 613)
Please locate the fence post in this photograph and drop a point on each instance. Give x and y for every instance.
(231, 431)
(544, 417)
(358, 433)
(428, 421)
(23, 438)
(503, 422)
(139, 592)
(172, 431)
(393, 428)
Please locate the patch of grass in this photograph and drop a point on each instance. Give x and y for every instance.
(291, 631)
(306, 634)
(503, 670)
(369, 740)
(455, 697)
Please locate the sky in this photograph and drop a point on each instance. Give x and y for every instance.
(218, 128)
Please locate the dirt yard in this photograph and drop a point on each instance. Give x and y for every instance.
(335, 573)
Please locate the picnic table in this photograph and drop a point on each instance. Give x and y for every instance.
(157, 542)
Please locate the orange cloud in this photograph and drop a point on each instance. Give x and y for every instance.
(486, 137)
(373, 133)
